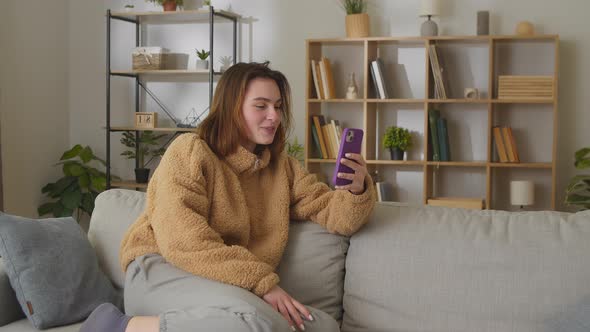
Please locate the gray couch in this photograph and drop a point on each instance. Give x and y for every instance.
(409, 269)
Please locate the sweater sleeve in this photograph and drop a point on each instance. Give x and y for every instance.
(178, 207)
(339, 211)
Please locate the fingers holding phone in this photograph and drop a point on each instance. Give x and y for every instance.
(357, 163)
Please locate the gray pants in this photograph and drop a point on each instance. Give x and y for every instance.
(185, 302)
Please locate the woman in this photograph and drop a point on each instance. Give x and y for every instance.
(202, 255)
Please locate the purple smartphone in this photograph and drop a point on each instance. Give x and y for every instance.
(351, 142)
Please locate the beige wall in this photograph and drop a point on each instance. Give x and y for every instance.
(63, 81)
(33, 99)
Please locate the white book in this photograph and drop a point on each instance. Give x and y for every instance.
(379, 79)
(315, 79)
(378, 186)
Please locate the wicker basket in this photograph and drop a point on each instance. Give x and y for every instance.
(148, 58)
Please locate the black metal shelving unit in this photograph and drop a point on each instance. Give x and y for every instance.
(138, 19)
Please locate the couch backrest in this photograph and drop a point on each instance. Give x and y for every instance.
(114, 211)
(454, 270)
(311, 270)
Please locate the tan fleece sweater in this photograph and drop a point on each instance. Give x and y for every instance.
(228, 220)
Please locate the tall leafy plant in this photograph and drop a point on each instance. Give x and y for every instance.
(148, 146)
(578, 190)
(76, 191)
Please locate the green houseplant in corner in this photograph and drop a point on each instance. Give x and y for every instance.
(397, 140)
(168, 5)
(578, 189)
(77, 190)
(295, 150)
(148, 143)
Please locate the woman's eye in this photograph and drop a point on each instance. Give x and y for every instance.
(260, 107)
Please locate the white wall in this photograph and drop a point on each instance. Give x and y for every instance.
(33, 98)
(272, 29)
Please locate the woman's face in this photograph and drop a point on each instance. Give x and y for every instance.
(262, 112)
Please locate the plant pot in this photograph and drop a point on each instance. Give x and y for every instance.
(357, 25)
(396, 154)
(169, 6)
(202, 64)
(142, 175)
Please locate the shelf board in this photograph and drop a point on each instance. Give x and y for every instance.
(524, 101)
(396, 162)
(458, 163)
(319, 160)
(128, 184)
(179, 16)
(336, 100)
(163, 129)
(459, 101)
(523, 165)
(419, 39)
(397, 101)
(161, 72)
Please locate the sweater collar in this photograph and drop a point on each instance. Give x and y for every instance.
(244, 161)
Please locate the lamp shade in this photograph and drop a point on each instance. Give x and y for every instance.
(430, 8)
(522, 193)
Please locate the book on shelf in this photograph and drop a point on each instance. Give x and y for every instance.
(508, 144)
(443, 139)
(437, 73)
(320, 81)
(513, 144)
(317, 123)
(315, 77)
(327, 78)
(383, 190)
(329, 140)
(457, 202)
(374, 78)
(316, 140)
(500, 147)
(379, 71)
(433, 116)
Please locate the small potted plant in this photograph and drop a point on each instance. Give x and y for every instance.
(147, 147)
(202, 62)
(357, 20)
(397, 140)
(128, 8)
(295, 150)
(226, 62)
(578, 189)
(168, 5)
(206, 4)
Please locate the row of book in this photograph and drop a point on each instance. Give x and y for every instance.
(439, 137)
(326, 136)
(378, 75)
(505, 145)
(323, 79)
(440, 79)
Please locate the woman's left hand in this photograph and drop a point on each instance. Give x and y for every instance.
(359, 166)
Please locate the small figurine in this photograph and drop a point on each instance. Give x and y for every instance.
(351, 89)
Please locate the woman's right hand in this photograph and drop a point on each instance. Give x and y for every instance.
(290, 308)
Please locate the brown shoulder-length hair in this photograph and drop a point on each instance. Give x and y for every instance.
(223, 129)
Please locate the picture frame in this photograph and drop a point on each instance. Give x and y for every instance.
(146, 119)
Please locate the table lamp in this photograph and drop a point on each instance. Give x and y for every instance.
(522, 193)
(428, 9)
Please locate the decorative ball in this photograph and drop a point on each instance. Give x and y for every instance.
(525, 28)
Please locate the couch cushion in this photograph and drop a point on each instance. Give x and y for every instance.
(52, 269)
(24, 325)
(443, 269)
(9, 308)
(312, 267)
(114, 211)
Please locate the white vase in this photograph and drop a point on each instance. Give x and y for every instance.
(202, 64)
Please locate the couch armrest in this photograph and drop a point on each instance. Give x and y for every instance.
(10, 310)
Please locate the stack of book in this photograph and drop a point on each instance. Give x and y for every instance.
(326, 136)
(440, 85)
(323, 79)
(505, 145)
(378, 75)
(525, 87)
(439, 137)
